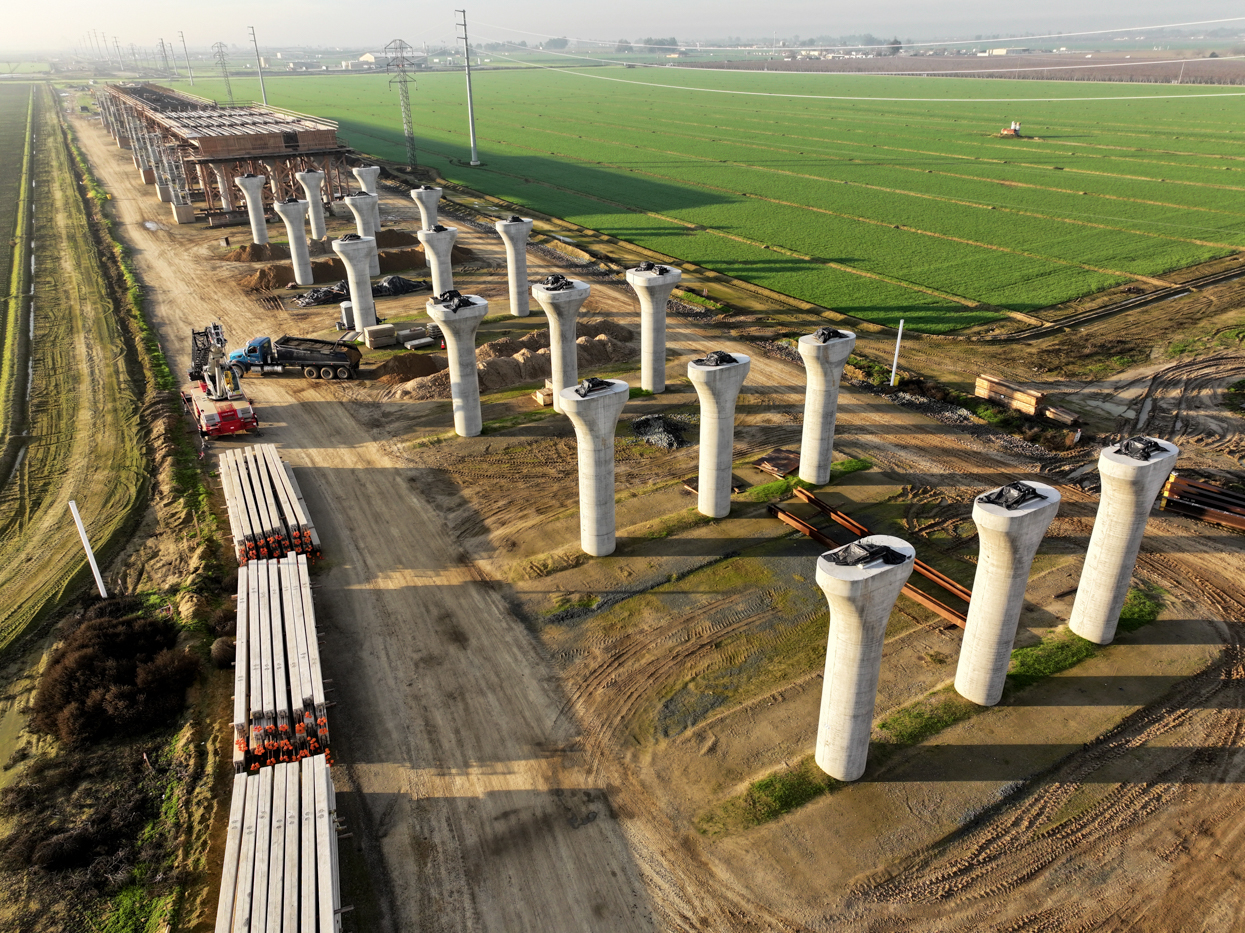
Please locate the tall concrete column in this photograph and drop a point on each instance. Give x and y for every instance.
(361, 205)
(861, 582)
(253, 187)
(222, 185)
(562, 298)
(1132, 474)
(825, 353)
(1011, 521)
(367, 176)
(426, 197)
(717, 378)
(356, 251)
(438, 253)
(594, 413)
(514, 233)
(294, 213)
(312, 183)
(459, 319)
(653, 285)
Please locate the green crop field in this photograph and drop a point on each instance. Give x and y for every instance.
(14, 103)
(884, 208)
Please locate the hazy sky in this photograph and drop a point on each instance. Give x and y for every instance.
(61, 23)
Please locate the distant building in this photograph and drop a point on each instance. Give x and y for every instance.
(1007, 51)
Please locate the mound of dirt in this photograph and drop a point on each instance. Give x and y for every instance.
(400, 260)
(407, 366)
(258, 252)
(388, 239)
(596, 326)
(267, 278)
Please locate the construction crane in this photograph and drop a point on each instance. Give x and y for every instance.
(215, 397)
(399, 65)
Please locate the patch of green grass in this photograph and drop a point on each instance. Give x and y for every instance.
(1056, 652)
(693, 298)
(1141, 607)
(927, 717)
(679, 521)
(778, 489)
(513, 421)
(637, 392)
(1235, 395)
(1181, 345)
(769, 798)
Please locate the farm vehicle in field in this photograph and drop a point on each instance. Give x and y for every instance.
(214, 396)
(314, 358)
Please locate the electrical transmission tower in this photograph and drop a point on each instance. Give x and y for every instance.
(222, 59)
(399, 66)
(164, 54)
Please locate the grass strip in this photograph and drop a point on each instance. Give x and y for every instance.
(16, 342)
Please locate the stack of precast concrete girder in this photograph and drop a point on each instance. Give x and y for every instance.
(267, 514)
(281, 860)
(279, 710)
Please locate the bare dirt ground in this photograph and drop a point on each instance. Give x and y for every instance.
(500, 781)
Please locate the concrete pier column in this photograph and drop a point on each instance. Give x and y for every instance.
(718, 377)
(1132, 474)
(362, 206)
(861, 582)
(294, 213)
(825, 353)
(253, 187)
(1011, 521)
(438, 252)
(367, 176)
(562, 298)
(459, 319)
(164, 193)
(514, 233)
(593, 408)
(222, 185)
(313, 183)
(653, 285)
(426, 197)
(356, 251)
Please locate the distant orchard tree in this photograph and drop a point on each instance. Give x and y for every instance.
(623, 46)
(893, 47)
(555, 43)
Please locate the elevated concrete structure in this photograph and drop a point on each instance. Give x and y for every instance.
(367, 176)
(426, 198)
(1130, 485)
(861, 590)
(562, 298)
(313, 184)
(438, 253)
(356, 252)
(653, 285)
(514, 233)
(226, 193)
(183, 213)
(253, 188)
(294, 214)
(718, 388)
(1009, 539)
(595, 417)
(824, 360)
(364, 209)
(459, 322)
(164, 193)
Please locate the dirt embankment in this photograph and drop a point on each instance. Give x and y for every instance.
(333, 270)
(506, 362)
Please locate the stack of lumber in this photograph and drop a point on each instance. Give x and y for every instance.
(1013, 396)
(279, 709)
(281, 862)
(1206, 501)
(267, 514)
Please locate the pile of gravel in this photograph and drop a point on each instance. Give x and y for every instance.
(939, 411)
(664, 431)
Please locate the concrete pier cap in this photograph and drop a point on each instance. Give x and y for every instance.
(861, 583)
(363, 208)
(459, 317)
(438, 253)
(1011, 522)
(252, 186)
(293, 213)
(1132, 472)
(367, 176)
(653, 284)
(313, 184)
(355, 251)
(426, 197)
(593, 408)
(562, 298)
(514, 233)
(718, 377)
(825, 353)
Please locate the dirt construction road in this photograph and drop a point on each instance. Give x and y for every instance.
(463, 767)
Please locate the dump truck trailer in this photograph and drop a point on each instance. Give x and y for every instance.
(314, 358)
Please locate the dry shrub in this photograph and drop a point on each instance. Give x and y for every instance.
(224, 651)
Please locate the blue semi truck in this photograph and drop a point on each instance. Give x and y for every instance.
(314, 358)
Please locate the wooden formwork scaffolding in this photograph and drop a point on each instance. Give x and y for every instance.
(268, 516)
(281, 869)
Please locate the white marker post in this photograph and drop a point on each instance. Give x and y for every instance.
(90, 555)
(895, 362)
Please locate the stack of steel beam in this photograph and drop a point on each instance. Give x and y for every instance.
(268, 516)
(281, 861)
(1215, 504)
(279, 709)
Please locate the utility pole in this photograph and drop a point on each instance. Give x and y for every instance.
(181, 35)
(471, 113)
(259, 66)
(117, 45)
(171, 56)
(399, 63)
(164, 56)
